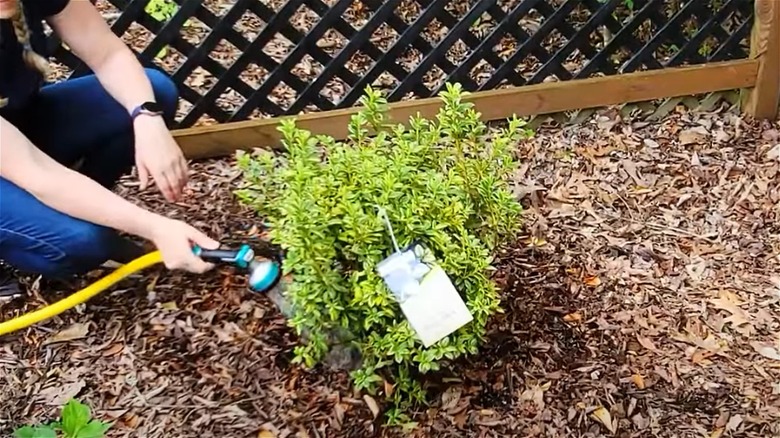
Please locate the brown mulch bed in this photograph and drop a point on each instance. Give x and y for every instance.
(642, 302)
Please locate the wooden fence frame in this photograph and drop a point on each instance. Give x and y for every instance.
(758, 77)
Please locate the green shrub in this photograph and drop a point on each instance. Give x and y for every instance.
(442, 182)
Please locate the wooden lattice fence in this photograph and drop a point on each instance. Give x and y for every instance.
(236, 60)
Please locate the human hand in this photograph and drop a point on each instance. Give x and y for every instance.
(175, 240)
(158, 156)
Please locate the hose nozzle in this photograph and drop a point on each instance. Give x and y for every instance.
(263, 274)
(240, 257)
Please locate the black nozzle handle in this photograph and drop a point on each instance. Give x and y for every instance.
(218, 255)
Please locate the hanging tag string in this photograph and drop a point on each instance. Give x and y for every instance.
(386, 219)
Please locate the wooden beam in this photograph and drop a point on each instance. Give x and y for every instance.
(762, 101)
(551, 97)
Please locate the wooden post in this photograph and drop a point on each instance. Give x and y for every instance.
(762, 101)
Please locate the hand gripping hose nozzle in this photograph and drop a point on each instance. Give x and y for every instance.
(264, 275)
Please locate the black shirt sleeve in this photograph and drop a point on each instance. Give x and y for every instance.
(48, 8)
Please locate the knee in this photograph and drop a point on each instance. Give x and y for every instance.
(87, 247)
(165, 91)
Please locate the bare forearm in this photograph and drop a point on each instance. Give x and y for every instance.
(65, 190)
(124, 78)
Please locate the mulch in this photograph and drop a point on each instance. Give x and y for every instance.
(641, 301)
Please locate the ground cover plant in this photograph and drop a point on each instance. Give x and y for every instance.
(443, 183)
(75, 422)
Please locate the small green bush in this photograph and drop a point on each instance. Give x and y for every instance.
(442, 182)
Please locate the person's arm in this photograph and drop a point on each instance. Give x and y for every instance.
(66, 190)
(89, 37)
(72, 193)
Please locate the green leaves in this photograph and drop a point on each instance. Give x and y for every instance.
(443, 182)
(75, 417)
(93, 429)
(35, 432)
(75, 422)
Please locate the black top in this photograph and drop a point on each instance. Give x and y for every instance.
(18, 82)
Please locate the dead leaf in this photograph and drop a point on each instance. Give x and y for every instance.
(638, 380)
(170, 305)
(113, 350)
(774, 153)
(695, 160)
(573, 317)
(536, 394)
(266, 434)
(131, 420)
(372, 406)
(696, 269)
(723, 418)
(603, 416)
(75, 331)
(646, 342)
(734, 422)
(697, 135)
(729, 303)
(450, 397)
(60, 394)
(631, 169)
(389, 388)
(326, 44)
(766, 350)
(592, 280)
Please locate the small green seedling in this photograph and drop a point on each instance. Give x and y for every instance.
(75, 422)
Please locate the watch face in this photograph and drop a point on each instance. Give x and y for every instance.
(152, 106)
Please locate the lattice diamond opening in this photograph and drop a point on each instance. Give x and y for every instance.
(249, 25)
(304, 19)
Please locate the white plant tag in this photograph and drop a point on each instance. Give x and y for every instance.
(426, 294)
(437, 310)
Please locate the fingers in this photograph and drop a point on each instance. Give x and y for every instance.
(143, 176)
(183, 170)
(173, 179)
(167, 186)
(176, 177)
(187, 261)
(198, 266)
(201, 239)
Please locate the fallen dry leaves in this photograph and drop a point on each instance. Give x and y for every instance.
(675, 338)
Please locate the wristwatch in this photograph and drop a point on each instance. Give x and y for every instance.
(147, 108)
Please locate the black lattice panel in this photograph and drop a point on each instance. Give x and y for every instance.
(240, 59)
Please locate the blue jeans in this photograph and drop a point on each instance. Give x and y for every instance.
(72, 121)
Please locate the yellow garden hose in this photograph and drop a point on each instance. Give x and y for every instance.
(28, 319)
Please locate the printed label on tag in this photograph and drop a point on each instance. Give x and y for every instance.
(437, 310)
(426, 294)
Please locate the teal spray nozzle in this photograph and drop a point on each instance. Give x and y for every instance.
(263, 274)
